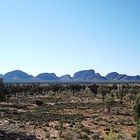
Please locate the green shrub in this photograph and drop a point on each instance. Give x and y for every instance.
(109, 101)
(85, 136)
(110, 136)
(133, 135)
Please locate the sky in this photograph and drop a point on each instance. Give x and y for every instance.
(65, 36)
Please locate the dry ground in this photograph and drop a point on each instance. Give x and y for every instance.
(64, 117)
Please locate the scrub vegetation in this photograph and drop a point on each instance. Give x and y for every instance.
(105, 111)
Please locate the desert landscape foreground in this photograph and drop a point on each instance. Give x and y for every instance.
(68, 111)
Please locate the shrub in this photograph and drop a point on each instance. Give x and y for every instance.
(85, 136)
(109, 101)
(39, 102)
(69, 135)
(110, 136)
(133, 135)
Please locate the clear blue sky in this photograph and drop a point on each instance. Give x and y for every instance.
(64, 36)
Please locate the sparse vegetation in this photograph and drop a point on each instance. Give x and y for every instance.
(67, 111)
(137, 115)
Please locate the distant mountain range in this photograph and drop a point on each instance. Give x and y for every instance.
(80, 76)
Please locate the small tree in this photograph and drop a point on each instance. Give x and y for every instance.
(109, 101)
(93, 89)
(2, 90)
(121, 94)
(103, 91)
(131, 95)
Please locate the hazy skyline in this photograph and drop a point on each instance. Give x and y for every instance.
(65, 36)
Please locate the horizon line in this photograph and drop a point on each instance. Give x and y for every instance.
(67, 73)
